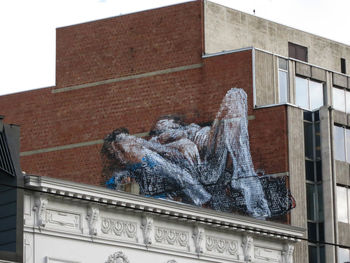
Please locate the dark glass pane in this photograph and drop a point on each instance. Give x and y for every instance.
(312, 254)
(322, 254)
(321, 232)
(282, 63)
(316, 116)
(319, 171)
(310, 201)
(307, 115)
(308, 136)
(309, 170)
(318, 140)
(312, 231)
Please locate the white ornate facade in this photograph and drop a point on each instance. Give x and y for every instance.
(67, 222)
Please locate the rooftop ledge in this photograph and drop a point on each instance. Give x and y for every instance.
(183, 212)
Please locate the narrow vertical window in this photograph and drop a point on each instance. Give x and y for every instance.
(339, 143)
(342, 204)
(283, 80)
(343, 65)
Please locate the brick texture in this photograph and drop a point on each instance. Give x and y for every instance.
(126, 45)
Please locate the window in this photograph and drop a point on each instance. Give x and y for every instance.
(343, 195)
(343, 255)
(308, 93)
(341, 138)
(283, 80)
(297, 51)
(341, 99)
(343, 65)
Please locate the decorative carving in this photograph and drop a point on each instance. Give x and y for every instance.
(92, 218)
(287, 253)
(171, 261)
(118, 227)
(147, 230)
(248, 248)
(62, 219)
(171, 237)
(117, 257)
(267, 254)
(221, 246)
(40, 204)
(198, 236)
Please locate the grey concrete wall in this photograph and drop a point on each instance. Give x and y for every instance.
(342, 170)
(327, 182)
(265, 71)
(296, 157)
(228, 29)
(344, 234)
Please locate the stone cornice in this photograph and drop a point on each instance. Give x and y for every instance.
(183, 212)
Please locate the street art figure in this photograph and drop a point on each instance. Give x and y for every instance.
(207, 166)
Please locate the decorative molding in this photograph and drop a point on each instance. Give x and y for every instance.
(248, 248)
(92, 218)
(40, 204)
(171, 237)
(147, 230)
(171, 261)
(59, 260)
(221, 246)
(63, 219)
(119, 228)
(267, 254)
(287, 253)
(117, 257)
(198, 237)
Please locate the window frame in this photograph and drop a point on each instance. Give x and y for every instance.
(286, 71)
(346, 97)
(308, 93)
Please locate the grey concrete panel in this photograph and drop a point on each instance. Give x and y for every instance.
(302, 69)
(340, 117)
(264, 78)
(228, 29)
(340, 80)
(342, 170)
(318, 74)
(344, 234)
(297, 176)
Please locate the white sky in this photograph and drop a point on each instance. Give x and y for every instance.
(27, 28)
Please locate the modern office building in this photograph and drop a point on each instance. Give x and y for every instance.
(129, 70)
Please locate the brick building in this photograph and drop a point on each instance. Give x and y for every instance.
(126, 71)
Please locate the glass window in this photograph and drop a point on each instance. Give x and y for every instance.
(347, 99)
(338, 99)
(283, 80)
(343, 255)
(339, 143)
(308, 137)
(342, 204)
(301, 92)
(310, 199)
(312, 254)
(316, 94)
(347, 139)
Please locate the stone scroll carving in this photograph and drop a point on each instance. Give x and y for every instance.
(119, 228)
(40, 205)
(248, 248)
(118, 257)
(147, 230)
(287, 254)
(92, 218)
(198, 238)
(171, 237)
(220, 245)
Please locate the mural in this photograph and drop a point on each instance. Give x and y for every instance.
(207, 166)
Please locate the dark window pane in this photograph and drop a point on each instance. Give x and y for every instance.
(317, 115)
(318, 140)
(297, 51)
(308, 137)
(343, 65)
(312, 231)
(307, 115)
(310, 201)
(321, 232)
(319, 171)
(309, 170)
(322, 254)
(312, 254)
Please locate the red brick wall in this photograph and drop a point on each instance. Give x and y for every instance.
(100, 50)
(130, 44)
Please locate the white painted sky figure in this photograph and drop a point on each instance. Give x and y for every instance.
(27, 28)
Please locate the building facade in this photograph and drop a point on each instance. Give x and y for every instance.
(129, 70)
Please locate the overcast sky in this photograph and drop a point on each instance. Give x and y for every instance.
(27, 28)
